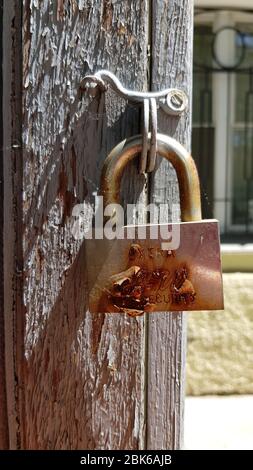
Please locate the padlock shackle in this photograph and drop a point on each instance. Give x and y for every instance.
(168, 148)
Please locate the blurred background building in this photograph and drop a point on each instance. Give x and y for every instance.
(220, 344)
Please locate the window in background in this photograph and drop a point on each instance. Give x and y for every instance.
(222, 141)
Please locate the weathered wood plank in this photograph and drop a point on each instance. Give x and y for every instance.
(83, 379)
(171, 66)
(12, 219)
(4, 435)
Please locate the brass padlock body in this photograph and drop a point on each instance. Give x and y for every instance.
(136, 275)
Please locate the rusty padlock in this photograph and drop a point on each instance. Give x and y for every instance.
(135, 273)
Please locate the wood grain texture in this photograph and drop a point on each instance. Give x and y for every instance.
(83, 377)
(172, 23)
(12, 218)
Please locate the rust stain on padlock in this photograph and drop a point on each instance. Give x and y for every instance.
(138, 276)
(137, 289)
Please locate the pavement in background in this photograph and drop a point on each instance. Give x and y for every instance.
(219, 343)
(219, 422)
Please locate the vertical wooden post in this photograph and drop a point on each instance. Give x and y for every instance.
(4, 441)
(12, 259)
(75, 380)
(172, 24)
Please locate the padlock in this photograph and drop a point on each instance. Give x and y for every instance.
(139, 270)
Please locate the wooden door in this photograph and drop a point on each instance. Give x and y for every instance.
(70, 379)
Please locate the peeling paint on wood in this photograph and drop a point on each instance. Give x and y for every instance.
(83, 386)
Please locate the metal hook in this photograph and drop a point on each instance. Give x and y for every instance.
(153, 142)
(145, 128)
(149, 110)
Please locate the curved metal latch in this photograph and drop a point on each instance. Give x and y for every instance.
(171, 100)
